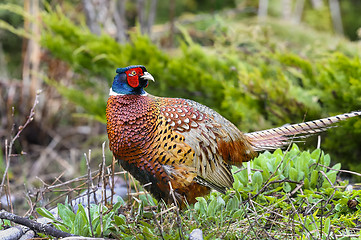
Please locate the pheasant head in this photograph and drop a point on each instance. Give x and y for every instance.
(131, 81)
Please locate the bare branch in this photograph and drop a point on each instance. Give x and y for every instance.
(33, 225)
(179, 219)
(90, 182)
(104, 197)
(9, 147)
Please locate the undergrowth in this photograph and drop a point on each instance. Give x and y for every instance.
(289, 194)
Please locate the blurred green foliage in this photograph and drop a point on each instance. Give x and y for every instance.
(190, 7)
(317, 18)
(11, 42)
(350, 11)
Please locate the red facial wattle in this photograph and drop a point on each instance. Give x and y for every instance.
(133, 76)
(133, 81)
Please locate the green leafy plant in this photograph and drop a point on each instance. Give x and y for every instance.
(79, 223)
(5, 223)
(294, 166)
(292, 192)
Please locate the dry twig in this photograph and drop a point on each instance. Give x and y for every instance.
(153, 213)
(179, 220)
(9, 147)
(90, 182)
(104, 197)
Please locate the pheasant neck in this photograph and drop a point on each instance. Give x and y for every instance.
(112, 93)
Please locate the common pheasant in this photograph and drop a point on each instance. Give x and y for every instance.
(179, 144)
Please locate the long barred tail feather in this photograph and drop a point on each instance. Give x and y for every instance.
(279, 137)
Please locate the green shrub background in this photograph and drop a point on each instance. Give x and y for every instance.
(254, 75)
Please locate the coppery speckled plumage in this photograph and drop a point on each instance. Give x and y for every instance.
(153, 136)
(181, 142)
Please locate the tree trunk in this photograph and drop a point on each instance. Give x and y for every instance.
(141, 15)
(91, 16)
(100, 16)
(262, 9)
(287, 9)
(336, 16)
(317, 4)
(120, 21)
(299, 10)
(171, 21)
(151, 16)
(31, 56)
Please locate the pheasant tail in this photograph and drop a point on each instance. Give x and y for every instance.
(281, 136)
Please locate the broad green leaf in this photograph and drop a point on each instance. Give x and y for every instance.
(332, 176)
(316, 153)
(120, 200)
(120, 219)
(287, 187)
(147, 232)
(66, 215)
(326, 228)
(61, 227)
(314, 179)
(293, 174)
(326, 160)
(236, 183)
(238, 214)
(45, 213)
(233, 204)
(212, 207)
(306, 183)
(257, 179)
(201, 205)
(83, 212)
(295, 148)
(85, 216)
(337, 166)
(80, 222)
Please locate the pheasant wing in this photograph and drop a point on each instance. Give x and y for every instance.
(217, 143)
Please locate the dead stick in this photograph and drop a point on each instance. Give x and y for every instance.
(21, 128)
(33, 225)
(113, 180)
(104, 196)
(178, 219)
(87, 159)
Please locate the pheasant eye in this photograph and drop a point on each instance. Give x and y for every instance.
(132, 73)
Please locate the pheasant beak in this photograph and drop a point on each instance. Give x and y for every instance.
(148, 76)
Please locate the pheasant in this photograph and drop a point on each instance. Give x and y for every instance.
(182, 148)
